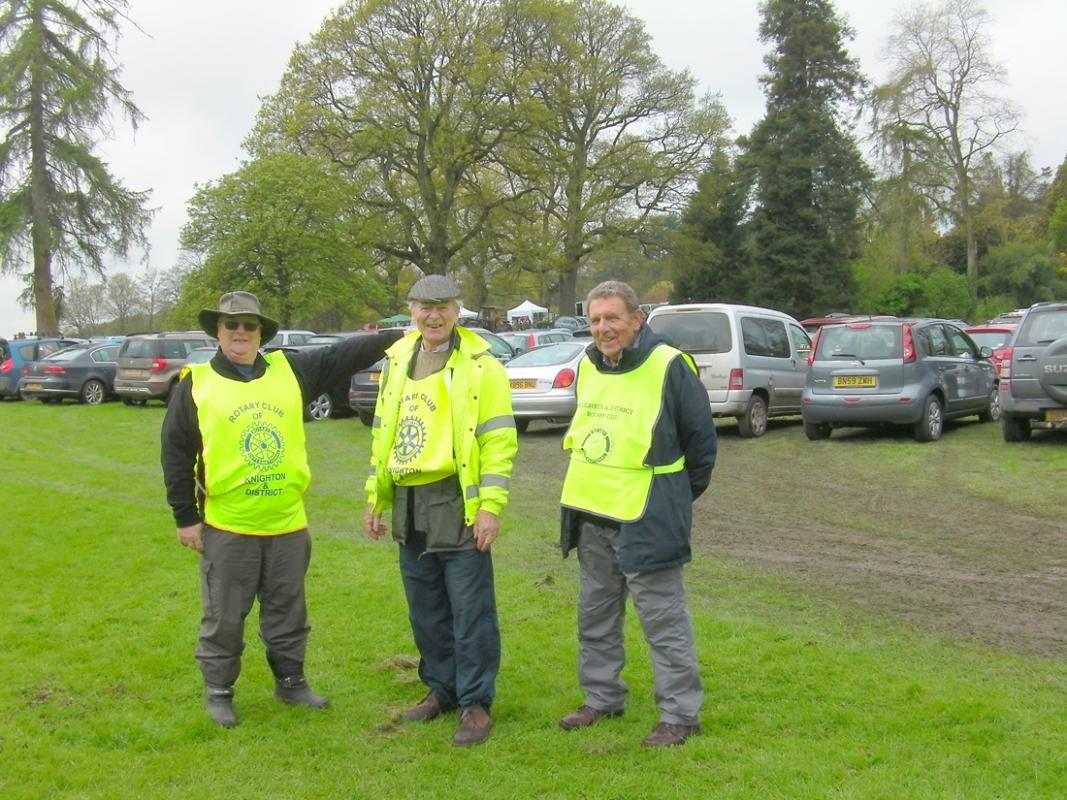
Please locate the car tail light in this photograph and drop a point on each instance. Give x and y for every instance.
(531, 342)
(7, 365)
(55, 370)
(814, 345)
(564, 378)
(860, 326)
(737, 379)
(1005, 367)
(158, 365)
(909, 345)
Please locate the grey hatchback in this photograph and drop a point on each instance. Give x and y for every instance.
(916, 372)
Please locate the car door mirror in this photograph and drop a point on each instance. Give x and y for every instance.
(985, 352)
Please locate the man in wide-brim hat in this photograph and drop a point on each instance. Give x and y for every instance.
(235, 467)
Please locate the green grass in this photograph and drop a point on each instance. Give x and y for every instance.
(811, 691)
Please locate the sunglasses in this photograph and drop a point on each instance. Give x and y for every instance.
(234, 324)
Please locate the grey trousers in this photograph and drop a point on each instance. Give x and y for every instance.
(660, 601)
(236, 569)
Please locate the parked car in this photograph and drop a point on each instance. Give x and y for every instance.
(17, 354)
(1033, 373)
(85, 372)
(521, 341)
(995, 337)
(751, 360)
(150, 364)
(916, 372)
(286, 338)
(333, 403)
(542, 382)
(812, 324)
(571, 323)
(363, 389)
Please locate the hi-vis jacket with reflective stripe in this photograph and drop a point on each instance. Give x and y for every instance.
(484, 441)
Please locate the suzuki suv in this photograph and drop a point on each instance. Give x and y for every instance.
(1033, 374)
(149, 365)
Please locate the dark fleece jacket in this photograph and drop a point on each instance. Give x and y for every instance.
(660, 539)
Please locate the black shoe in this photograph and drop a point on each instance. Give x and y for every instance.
(219, 705)
(294, 691)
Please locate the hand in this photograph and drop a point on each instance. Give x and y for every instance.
(486, 528)
(372, 523)
(192, 536)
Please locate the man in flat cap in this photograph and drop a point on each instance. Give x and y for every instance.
(235, 468)
(443, 444)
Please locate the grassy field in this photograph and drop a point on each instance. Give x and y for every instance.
(875, 619)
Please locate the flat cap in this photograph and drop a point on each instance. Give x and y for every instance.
(434, 289)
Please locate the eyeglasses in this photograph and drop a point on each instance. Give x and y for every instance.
(234, 324)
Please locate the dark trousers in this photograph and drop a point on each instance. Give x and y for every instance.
(236, 569)
(452, 609)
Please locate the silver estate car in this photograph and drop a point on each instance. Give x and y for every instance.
(916, 372)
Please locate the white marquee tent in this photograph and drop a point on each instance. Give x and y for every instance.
(528, 309)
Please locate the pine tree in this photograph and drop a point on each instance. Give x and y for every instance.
(59, 203)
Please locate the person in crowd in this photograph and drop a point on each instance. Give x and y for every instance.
(444, 440)
(236, 471)
(642, 447)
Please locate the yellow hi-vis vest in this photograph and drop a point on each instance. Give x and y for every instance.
(422, 449)
(255, 459)
(611, 434)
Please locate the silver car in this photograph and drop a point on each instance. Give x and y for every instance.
(916, 372)
(542, 382)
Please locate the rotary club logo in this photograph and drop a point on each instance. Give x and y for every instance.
(596, 445)
(410, 440)
(262, 446)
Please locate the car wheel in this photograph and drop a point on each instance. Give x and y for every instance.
(321, 407)
(1015, 429)
(366, 417)
(522, 425)
(817, 430)
(93, 393)
(753, 422)
(991, 413)
(930, 424)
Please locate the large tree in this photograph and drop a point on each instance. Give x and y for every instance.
(60, 205)
(621, 136)
(807, 174)
(412, 99)
(938, 112)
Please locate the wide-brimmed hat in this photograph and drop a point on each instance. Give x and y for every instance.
(434, 289)
(231, 304)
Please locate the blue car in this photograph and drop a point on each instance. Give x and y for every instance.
(17, 354)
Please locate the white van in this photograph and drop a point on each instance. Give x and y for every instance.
(751, 360)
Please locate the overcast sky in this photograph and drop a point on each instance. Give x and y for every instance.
(199, 68)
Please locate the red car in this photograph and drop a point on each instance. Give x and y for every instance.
(995, 337)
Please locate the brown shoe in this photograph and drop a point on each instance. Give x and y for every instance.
(429, 707)
(586, 716)
(474, 726)
(667, 734)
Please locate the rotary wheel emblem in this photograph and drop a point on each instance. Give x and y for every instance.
(410, 439)
(596, 445)
(262, 446)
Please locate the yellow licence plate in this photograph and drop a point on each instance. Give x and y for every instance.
(850, 381)
(1056, 415)
(33, 387)
(523, 383)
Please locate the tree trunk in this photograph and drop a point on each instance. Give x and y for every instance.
(40, 197)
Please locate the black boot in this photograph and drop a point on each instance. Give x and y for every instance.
(294, 691)
(219, 704)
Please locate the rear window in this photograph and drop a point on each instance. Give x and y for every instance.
(547, 356)
(859, 341)
(26, 353)
(69, 354)
(994, 340)
(697, 331)
(1043, 327)
(140, 348)
(764, 337)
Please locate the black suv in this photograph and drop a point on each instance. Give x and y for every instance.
(1033, 376)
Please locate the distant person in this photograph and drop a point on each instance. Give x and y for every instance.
(444, 441)
(642, 445)
(235, 468)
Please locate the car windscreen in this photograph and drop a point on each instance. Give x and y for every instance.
(547, 356)
(1042, 327)
(860, 340)
(696, 331)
